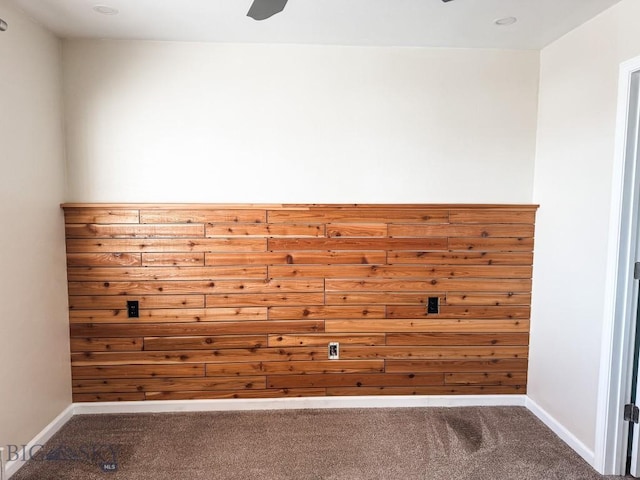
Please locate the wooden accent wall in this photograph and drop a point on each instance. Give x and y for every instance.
(240, 301)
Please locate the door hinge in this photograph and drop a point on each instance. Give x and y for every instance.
(636, 271)
(631, 413)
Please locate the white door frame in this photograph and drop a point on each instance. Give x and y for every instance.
(621, 292)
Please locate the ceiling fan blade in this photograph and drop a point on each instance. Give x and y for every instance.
(263, 9)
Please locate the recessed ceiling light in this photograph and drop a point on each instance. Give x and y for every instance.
(503, 22)
(105, 9)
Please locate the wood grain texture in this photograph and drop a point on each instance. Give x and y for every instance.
(241, 301)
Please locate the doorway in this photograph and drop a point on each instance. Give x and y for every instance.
(615, 437)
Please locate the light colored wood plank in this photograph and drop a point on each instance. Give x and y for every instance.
(205, 215)
(93, 274)
(223, 356)
(264, 230)
(235, 314)
(486, 215)
(423, 366)
(266, 299)
(440, 352)
(457, 338)
(116, 302)
(293, 257)
(103, 260)
(93, 230)
(270, 393)
(353, 380)
(204, 342)
(138, 371)
(239, 369)
(195, 287)
(435, 285)
(357, 230)
(460, 258)
(238, 244)
(491, 244)
(374, 214)
(167, 384)
(399, 271)
(486, 378)
(194, 328)
(509, 298)
(426, 326)
(382, 243)
(432, 390)
(321, 311)
(97, 344)
(174, 259)
(461, 230)
(146, 316)
(101, 215)
(322, 340)
(383, 298)
(298, 367)
(469, 311)
(174, 315)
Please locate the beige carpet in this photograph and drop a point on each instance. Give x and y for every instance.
(486, 443)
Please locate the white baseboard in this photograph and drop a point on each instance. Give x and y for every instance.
(12, 466)
(567, 437)
(383, 401)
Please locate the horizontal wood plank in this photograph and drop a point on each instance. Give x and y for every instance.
(163, 245)
(322, 340)
(194, 328)
(360, 215)
(457, 338)
(221, 356)
(204, 342)
(138, 371)
(430, 390)
(382, 243)
(264, 230)
(294, 313)
(488, 215)
(299, 367)
(309, 257)
(353, 380)
(426, 326)
(459, 258)
(173, 259)
(93, 230)
(101, 215)
(104, 260)
(254, 393)
(356, 230)
(486, 378)
(461, 230)
(425, 366)
(98, 344)
(93, 274)
(119, 301)
(202, 215)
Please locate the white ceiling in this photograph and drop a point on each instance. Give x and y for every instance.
(459, 23)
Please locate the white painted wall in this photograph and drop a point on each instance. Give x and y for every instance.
(189, 122)
(572, 183)
(35, 384)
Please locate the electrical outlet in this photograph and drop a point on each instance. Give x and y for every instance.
(334, 350)
(433, 305)
(132, 309)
